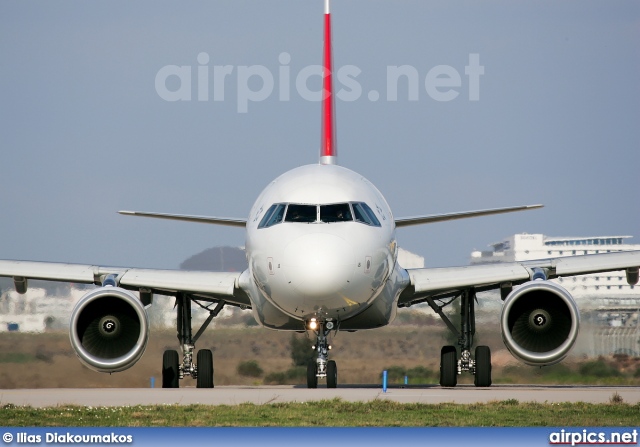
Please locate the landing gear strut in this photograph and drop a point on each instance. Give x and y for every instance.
(202, 370)
(450, 366)
(321, 367)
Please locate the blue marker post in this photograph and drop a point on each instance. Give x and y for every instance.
(406, 380)
(153, 382)
(384, 381)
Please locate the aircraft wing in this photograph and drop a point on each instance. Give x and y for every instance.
(212, 285)
(448, 281)
(418, 220)
(230, 222)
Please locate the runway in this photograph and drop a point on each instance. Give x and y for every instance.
(234, 395)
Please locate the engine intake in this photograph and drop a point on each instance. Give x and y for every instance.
(109, 329)
(540, 323)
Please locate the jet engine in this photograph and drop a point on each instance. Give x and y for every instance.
(540, 322)
(109, 329)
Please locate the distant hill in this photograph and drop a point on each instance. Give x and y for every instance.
(217, 259)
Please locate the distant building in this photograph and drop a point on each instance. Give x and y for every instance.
(409, 260)
(523, 247)
(36, 310)
(608, 303)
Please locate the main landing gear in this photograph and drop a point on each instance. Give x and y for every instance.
(450, 366)
(321, 367)
(202, 370)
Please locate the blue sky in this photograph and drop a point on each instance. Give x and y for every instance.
(84, 132)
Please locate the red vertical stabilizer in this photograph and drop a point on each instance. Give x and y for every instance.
(328, 149)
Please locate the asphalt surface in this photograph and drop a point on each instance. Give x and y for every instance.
(233, 395)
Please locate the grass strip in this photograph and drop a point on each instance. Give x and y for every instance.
(329, 413)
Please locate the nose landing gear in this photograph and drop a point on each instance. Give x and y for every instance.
(321, 367)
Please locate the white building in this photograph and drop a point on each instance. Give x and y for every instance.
(409, 260)
(36, 311)
(524, 247)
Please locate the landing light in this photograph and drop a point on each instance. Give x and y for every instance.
(313, 324)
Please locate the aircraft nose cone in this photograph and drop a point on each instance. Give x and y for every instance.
(319, 265)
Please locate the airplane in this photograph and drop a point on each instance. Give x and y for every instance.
(322, 257)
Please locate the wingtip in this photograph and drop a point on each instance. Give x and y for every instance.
(128, 213)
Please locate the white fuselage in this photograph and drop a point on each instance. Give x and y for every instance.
(322, 266)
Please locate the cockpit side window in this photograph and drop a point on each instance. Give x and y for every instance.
(371, 215)
(301, 213)
(273, 216)
(339, 212)
(364, 214)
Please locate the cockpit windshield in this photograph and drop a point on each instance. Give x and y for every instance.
(340, 212)
(335, 212)
(301, 213)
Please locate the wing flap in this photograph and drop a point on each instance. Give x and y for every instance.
(434, 281)
(604, 262)
(51, 271)
(219, 285)
(215, 283)
(452, 278)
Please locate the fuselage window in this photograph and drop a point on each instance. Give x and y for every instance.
(301, 213)
(273, 216)
(364, 214)
(340, 212)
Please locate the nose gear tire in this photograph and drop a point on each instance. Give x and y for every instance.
(312, 377)
(332, 374)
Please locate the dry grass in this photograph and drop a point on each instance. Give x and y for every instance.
(47, 360)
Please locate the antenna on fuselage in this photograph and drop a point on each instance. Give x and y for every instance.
(328, 148)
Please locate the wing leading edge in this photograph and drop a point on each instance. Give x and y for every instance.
(231, 222)
(213, 285)
(418, 220)
(442, 281)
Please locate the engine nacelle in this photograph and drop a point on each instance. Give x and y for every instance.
(109, 329)
(540, 323)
